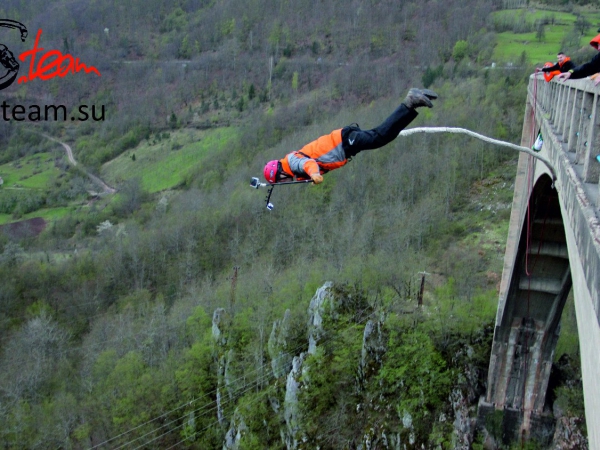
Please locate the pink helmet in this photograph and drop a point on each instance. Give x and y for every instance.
(270, 171)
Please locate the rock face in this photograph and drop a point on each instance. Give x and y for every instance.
(373, 349)
(228, 375)
(235, 433)
(464, 425)
(463, 398)
(281, 359)
(316, 309)
(568, 436)
(291, 412)
(321, 303)
(217, 326)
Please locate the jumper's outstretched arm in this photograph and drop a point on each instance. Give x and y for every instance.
(483, 138)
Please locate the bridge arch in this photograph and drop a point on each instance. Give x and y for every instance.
(528, 323)
(553, 246)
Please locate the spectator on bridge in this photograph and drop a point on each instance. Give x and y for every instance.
(334, 150)
(585, 70)
(564, 64)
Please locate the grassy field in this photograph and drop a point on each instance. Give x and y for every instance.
(34, 172)
(164, 164)
(31, 172)
(511, 45)
(159, 163)
(48, 214)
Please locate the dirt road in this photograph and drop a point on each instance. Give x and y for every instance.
(105, 187)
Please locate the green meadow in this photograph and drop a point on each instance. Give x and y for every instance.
(511, 45)
(163, 164)
(31, 172)
(160, 163)
(48, 214)
(36, 172)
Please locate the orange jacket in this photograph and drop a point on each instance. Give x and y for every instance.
(321, 155)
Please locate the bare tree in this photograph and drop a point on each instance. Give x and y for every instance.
(30, 356)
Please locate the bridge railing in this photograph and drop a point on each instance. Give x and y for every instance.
(572, 107)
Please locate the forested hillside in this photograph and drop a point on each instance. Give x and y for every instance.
(180, 312)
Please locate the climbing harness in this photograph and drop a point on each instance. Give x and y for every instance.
(255, 183)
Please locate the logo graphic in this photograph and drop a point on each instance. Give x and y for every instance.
(50, 64)
(7, 59)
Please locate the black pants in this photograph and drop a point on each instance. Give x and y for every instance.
(355, 140)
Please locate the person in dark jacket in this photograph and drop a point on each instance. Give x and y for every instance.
(334, 150)
(585, 70)
(564, 64)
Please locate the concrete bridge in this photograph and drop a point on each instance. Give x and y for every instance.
(553, 246)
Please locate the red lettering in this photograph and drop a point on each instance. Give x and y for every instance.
(64, 70)
(23, 56)
(48, 68)
(42, 69)
(79, 66)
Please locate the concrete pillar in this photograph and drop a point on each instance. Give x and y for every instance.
(584, 126)
(565, 124)
(591, 166)
(560, 112)
(573, 137)
(553, 100)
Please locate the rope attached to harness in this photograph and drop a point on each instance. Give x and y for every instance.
(410, 131)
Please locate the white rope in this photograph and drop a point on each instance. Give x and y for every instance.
(483, 138)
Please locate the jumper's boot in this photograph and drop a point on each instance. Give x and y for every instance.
(419, 97)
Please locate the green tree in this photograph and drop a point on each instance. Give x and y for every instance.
(175, 21)
(461, 50)
(417, 375)
(540, 33)
(581, 24)
(196, 379)
(430, 75)
(185, 48)
(173, 122)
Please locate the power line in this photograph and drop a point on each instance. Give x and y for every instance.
(242, 390)
(362, 320)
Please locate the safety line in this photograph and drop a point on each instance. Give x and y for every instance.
(520, 148)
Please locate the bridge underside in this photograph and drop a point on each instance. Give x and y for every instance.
(527, 331)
